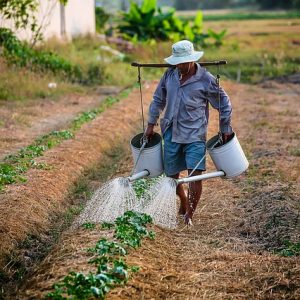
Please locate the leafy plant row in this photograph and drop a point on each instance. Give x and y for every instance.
(20, 54)
(14, 166)
(110, 268)
(149, 22)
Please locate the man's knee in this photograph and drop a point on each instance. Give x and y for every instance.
(195, 173)
(176, 176)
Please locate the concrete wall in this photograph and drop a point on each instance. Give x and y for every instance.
(79, 19)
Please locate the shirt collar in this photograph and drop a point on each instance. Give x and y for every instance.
(199, 73)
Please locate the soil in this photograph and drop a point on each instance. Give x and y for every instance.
(239, 226)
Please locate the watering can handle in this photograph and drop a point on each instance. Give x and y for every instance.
(145, 141)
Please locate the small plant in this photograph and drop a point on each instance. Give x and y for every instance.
(106, 247)
(88, 225)
(290, 249)
(130, 228)
(140, 186)
(111, 269)
(106, 225)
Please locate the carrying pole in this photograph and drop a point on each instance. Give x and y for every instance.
(202, 64)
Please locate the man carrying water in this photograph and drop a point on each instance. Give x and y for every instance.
(184, 93)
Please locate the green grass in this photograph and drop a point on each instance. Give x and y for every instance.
(272, 15)
(19, 84)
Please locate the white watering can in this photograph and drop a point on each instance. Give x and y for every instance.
(147, 156)
(229, 159)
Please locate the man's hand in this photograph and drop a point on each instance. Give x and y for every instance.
(226, 137)
(149, 131)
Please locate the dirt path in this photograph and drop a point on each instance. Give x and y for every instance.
(239, 222)
(22, 122)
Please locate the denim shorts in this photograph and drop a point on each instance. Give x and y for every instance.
(180, 157)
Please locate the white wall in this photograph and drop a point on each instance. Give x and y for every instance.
(79, 19)
(49, 17)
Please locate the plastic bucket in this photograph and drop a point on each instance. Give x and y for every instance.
(229, 157)
(151, 157)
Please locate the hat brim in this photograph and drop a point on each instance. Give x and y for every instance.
(175, 60)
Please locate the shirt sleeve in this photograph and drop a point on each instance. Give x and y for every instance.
(159, 101)
(224, 107)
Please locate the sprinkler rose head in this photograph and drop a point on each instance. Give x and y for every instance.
(124, 181)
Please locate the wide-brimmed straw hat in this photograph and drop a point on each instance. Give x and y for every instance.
(182, 52)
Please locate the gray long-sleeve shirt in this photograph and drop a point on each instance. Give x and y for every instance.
(186, 106)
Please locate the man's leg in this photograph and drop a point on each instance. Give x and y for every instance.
(194, 194)
(182, 196)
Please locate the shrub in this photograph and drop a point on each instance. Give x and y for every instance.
(101, 18)
(21, 55)
(147, 22)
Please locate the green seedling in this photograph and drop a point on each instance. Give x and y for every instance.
(88, 225)
(111, 270)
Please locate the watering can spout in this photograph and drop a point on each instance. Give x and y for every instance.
(200, 177)
(139, 175)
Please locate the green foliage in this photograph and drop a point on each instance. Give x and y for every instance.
(106, 225)
(140, 186)
(10, 174)
(218, 37)
(89, 225)
(20, 54)
(130, 228)
(290, 249)
(21, 12)
(101, 18)
(147, 22)
(111, 270)
(107, 247)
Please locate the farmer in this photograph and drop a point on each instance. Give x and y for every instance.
(184, 93)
